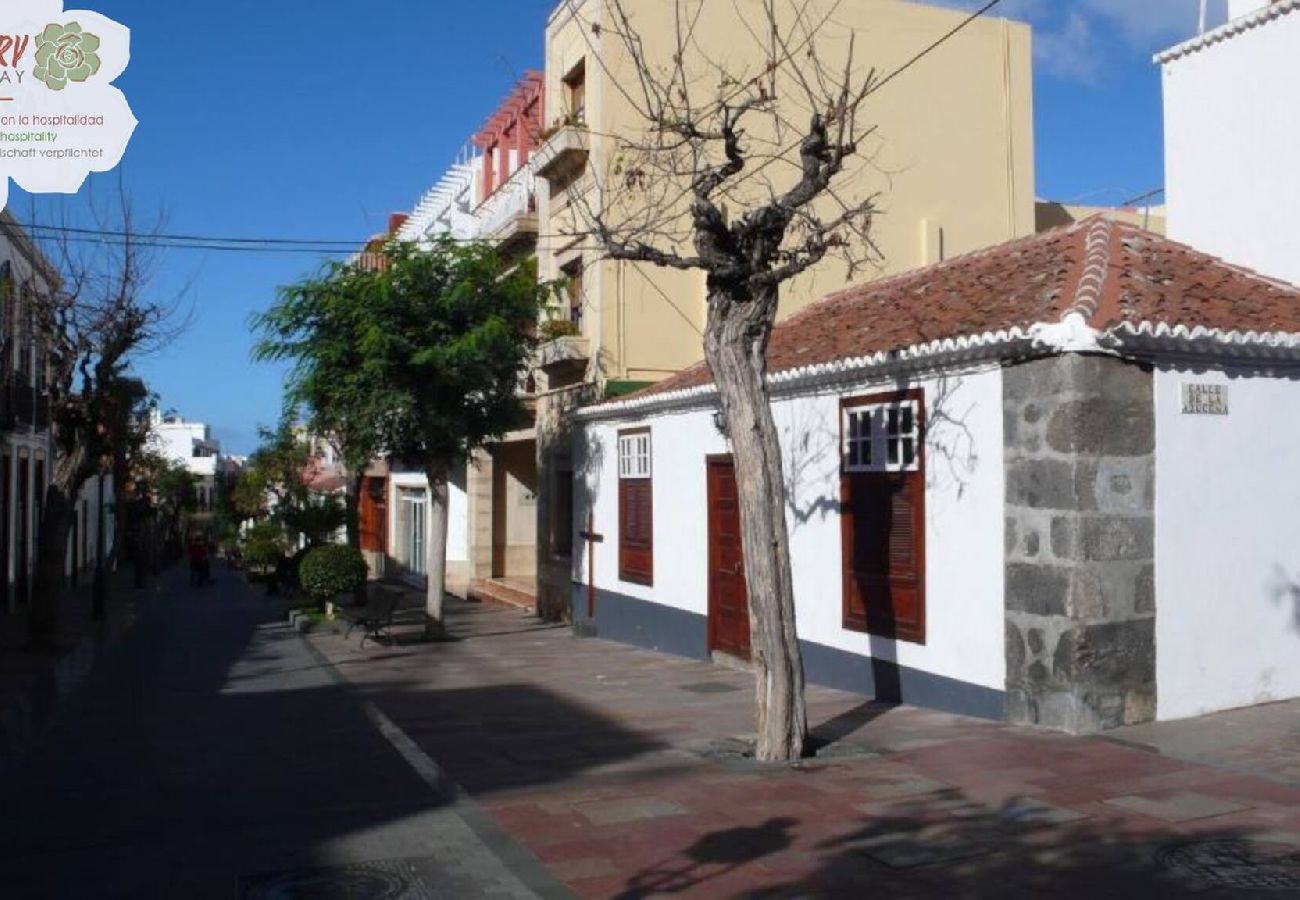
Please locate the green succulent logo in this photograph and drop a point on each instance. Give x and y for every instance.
(65, 53)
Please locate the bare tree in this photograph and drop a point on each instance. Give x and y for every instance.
(735, 175)
(98, 319)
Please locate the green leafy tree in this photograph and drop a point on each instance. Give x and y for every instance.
(447, 332)
(441, 334)
(315, 323)
(275, 485)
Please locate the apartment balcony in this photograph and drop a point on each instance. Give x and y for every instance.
(563, 156)
(564, 358)
(508, 218)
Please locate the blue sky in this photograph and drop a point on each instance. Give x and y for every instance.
(316, 119)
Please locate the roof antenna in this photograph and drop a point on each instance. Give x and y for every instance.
(1204, 6)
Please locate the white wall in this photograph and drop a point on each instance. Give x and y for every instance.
(1227, 546)
(86, 514)
(458, 512)
(1232, 126)
(964, 520)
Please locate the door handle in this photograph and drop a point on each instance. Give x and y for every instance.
(735, 570)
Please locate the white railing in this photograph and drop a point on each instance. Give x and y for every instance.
(517, 197)
(445, 206)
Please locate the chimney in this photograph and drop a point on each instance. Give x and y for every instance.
(396, 221)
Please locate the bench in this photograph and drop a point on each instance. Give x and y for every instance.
(375, 619)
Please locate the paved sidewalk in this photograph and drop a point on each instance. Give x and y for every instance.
(621, 770)
(212, 754)
(34, 681)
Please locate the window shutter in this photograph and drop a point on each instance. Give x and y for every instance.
(883, 538)
(636, 532)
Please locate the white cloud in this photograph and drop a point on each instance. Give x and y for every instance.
(1150, 24)
(1070, 52)
(1075, 39)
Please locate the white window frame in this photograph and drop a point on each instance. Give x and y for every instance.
(878, 435)
(634, 455)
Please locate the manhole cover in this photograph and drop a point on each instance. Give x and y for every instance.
(392, 880)
(1237, 864)
(709, 687)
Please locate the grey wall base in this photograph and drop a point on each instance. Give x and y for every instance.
(630, 620)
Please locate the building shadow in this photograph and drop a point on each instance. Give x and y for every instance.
(203, 750)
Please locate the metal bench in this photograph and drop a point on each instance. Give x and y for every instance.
(375, 619)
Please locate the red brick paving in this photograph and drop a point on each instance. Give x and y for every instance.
(591, 755)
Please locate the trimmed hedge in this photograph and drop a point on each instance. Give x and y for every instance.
(331, 569)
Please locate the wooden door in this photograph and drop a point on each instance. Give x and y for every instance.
(728, 598)
(372, 513)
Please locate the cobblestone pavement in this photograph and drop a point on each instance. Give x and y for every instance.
(213, 754)
(622, 771)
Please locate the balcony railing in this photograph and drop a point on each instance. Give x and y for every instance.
(511, 208)
(564, 154)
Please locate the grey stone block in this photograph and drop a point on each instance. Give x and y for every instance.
(1117, 653)
(1031, 543)
(1102, 426)
(1144, 598)
(1015, 648)
(1115, 484)
(1041, 590)
(1041, 484)
(1064, 529)
(1038, 379)
(1089, 599)
(1105, 538)
(1064, 663)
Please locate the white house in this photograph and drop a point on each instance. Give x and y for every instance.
(1232, 126)
(1051, 482)
(191, 444)
(26, 280)
(92, 510)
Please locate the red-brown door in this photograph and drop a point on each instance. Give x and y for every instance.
(883, 524)
(373, 514)
(728, 599)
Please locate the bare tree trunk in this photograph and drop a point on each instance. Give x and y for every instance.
(51, 561)
(735, 342)
(436, 550)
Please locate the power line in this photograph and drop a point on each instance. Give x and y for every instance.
(347, 247)
(933, 46)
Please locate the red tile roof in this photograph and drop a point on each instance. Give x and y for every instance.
(1110, 272)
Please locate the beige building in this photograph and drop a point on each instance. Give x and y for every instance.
(1049, 214)
(951, 161)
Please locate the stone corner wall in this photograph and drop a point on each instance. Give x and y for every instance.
(1079, 436)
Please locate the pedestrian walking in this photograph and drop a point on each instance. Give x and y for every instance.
(200, 564)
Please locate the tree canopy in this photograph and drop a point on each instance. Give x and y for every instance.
(416, 352)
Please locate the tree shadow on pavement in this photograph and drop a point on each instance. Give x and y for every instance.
(947, 845)
(710, 857)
